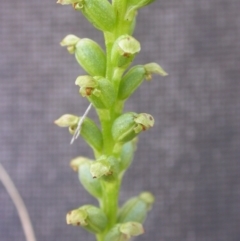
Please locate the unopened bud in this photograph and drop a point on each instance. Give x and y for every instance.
(99, 91)
(127, 154)
(91, 134)
(67, 120)
(129, 125)
(91, 57)
(89, 217)
(92, 185)
(124, 50)
(124, 231)
(135, 76)
(89, 130)
(100, 13)
(88, 54)
(136, 208)
(130, 81)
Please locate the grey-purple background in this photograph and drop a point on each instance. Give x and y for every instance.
(189, 160)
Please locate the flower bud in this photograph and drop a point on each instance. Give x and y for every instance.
(124, 50)
(70, 42)
(100, 13)
(136, 208)
(124, 231)
(99, 91)
(90, 133)
(92, 185)
(130, 81)
(135, 76)
(89, 217)
(67, 120)
(105, 167)
(88, 54)
(89, 130)
(91, 57)
(127, 154)
(129, 125)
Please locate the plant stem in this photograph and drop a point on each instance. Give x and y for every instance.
(109, 201)
(109, 40)
(19, 204)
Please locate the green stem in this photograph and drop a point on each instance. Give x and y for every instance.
(106, 120)
(109, 201)
(109, 204)
(117, 75)
(109, 40)
(99, 237)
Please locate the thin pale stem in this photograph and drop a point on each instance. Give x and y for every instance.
(19, 204)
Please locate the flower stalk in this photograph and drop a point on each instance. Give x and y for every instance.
(107, 85)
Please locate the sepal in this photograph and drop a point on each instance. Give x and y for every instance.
(129, 125)
(124, 51)
(89, 217)
(106, 167)
(70, 42)
(136, 208)
(99, 91)
(67, 120)
(154, 68)
(82, 166)
(88, 85)
(124, 231)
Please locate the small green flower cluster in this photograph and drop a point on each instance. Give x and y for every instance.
(109, 82)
